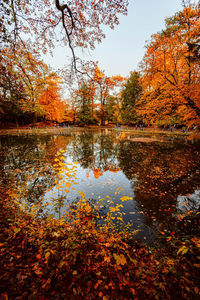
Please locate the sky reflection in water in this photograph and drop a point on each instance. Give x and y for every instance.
(160, 174)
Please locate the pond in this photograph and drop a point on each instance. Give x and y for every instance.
(152, 178)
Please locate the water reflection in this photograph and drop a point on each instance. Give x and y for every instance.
(157, 173)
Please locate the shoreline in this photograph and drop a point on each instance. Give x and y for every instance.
(63, 130)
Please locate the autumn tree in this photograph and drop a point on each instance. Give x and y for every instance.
(51, 102)
(74, 23)
(93, 97)
(43, 24)
(103, 86)
(71, 109)
(11, 92)
(23, 76)
(70, 112)
(113, 107)
(130, 94)
(171, 72)
(85, 103)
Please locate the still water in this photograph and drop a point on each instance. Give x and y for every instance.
(160, 174)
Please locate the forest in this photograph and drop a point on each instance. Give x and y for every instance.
(164, 91)
(90, 207)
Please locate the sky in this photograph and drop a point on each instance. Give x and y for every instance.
(124, 47)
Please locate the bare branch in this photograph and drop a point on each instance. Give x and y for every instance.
(62, 8)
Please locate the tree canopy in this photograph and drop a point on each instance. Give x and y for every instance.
(171, 72)
(43, 23)
(166, 90)
(129, 97)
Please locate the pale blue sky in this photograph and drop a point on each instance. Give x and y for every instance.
(124, 47)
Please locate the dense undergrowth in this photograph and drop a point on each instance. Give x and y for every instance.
(52, 259)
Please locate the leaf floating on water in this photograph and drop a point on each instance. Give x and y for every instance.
(67, 184)
(125, 198)
(82, 194)
(118, 190)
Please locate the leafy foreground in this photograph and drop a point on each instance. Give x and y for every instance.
(52, 259)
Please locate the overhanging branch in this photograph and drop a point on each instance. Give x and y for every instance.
(62, 9)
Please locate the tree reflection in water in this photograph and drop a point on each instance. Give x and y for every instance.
(155, 172)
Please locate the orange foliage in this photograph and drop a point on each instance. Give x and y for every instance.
(112, 168)
(79, 23)
(171, 72)
(97, 173)
(29, 75)
(51, 102)
(103, 85)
